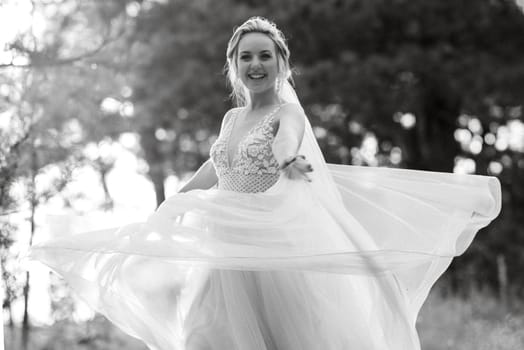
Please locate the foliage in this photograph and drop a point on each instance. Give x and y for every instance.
(479, 321)
(95, 334)
(445, 323)
(364, 67)
(50, 120)
(451, 65)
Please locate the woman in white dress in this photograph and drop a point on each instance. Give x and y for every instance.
(267, 247)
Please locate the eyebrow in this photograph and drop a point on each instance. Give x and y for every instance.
(250, 51)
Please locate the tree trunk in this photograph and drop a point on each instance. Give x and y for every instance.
(433, 139)
(154, 158)
(33, 203)
(158, 182)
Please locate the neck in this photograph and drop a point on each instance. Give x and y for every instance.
(263, 99)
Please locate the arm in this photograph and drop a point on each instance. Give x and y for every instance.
(205, 177)
(287, 142)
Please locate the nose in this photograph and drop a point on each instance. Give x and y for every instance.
(255, 62)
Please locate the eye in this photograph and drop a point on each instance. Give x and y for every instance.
(244, 57)
(266, 56)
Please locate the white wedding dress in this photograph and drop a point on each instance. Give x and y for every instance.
(262, 262)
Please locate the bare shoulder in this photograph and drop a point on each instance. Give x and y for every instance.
(291, 113)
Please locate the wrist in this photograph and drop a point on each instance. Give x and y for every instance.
(289, 160)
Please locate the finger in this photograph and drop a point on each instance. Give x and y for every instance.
(294, 173)
(300, 174)
(303, 166)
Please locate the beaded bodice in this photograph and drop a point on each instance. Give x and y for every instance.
(252, 168)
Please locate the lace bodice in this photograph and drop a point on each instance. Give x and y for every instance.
(252, 168)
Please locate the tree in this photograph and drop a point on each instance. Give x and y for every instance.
(50, 102)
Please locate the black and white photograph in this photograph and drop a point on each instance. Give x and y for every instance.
(262, 175)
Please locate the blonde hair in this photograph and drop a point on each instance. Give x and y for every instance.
(239, 92)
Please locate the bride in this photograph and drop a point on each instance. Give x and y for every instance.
(267, 247)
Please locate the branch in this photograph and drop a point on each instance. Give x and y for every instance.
(39, 59)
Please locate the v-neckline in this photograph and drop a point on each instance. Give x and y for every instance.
(230, 160)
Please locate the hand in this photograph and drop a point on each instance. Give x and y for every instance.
(297, 168)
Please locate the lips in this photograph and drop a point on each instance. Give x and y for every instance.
(256, 76)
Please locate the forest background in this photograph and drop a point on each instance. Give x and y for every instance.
(92, 89)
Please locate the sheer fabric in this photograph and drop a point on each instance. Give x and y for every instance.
(343, 262)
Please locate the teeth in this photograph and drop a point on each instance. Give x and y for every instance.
(256, 76)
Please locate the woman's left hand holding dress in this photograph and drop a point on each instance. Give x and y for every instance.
(287, 142)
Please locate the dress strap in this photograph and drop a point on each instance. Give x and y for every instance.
(231, 121)
(265, 119)
(236, 112)
(271, 115)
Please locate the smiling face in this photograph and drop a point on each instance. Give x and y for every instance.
(257, 62)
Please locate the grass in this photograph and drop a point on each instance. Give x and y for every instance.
(96, 334)
(479, 322)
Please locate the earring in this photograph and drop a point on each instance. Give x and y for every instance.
(278, 84)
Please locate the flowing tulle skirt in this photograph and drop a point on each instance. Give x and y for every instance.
(283, 269)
